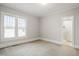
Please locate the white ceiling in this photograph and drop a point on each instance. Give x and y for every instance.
(40, 10)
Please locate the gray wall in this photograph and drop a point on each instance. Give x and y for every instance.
(76, 28)
(51, 27)
(33, 27)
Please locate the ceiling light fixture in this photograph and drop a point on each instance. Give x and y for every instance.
(43, 3)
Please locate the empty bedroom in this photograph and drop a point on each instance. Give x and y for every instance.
(39, 29)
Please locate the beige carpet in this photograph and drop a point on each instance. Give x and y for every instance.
(39, 48)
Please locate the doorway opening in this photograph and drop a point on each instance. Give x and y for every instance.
(67, 26)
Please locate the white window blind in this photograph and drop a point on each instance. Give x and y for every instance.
(9, 26)
(21, 27)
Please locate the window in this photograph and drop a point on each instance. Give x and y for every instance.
(13, 26)
(9, 26)
(21, 27)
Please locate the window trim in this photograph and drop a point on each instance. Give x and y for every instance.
(16, 27)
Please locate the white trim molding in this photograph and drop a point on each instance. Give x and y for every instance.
(51, 40)
(15, 42)
(76, 46)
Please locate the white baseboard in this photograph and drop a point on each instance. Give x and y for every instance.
(76, 46)
(50, 40)
(57, 42)
(15, 42)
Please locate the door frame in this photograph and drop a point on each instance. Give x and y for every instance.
(73, 40)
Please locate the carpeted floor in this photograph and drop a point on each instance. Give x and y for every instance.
(39, 48)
